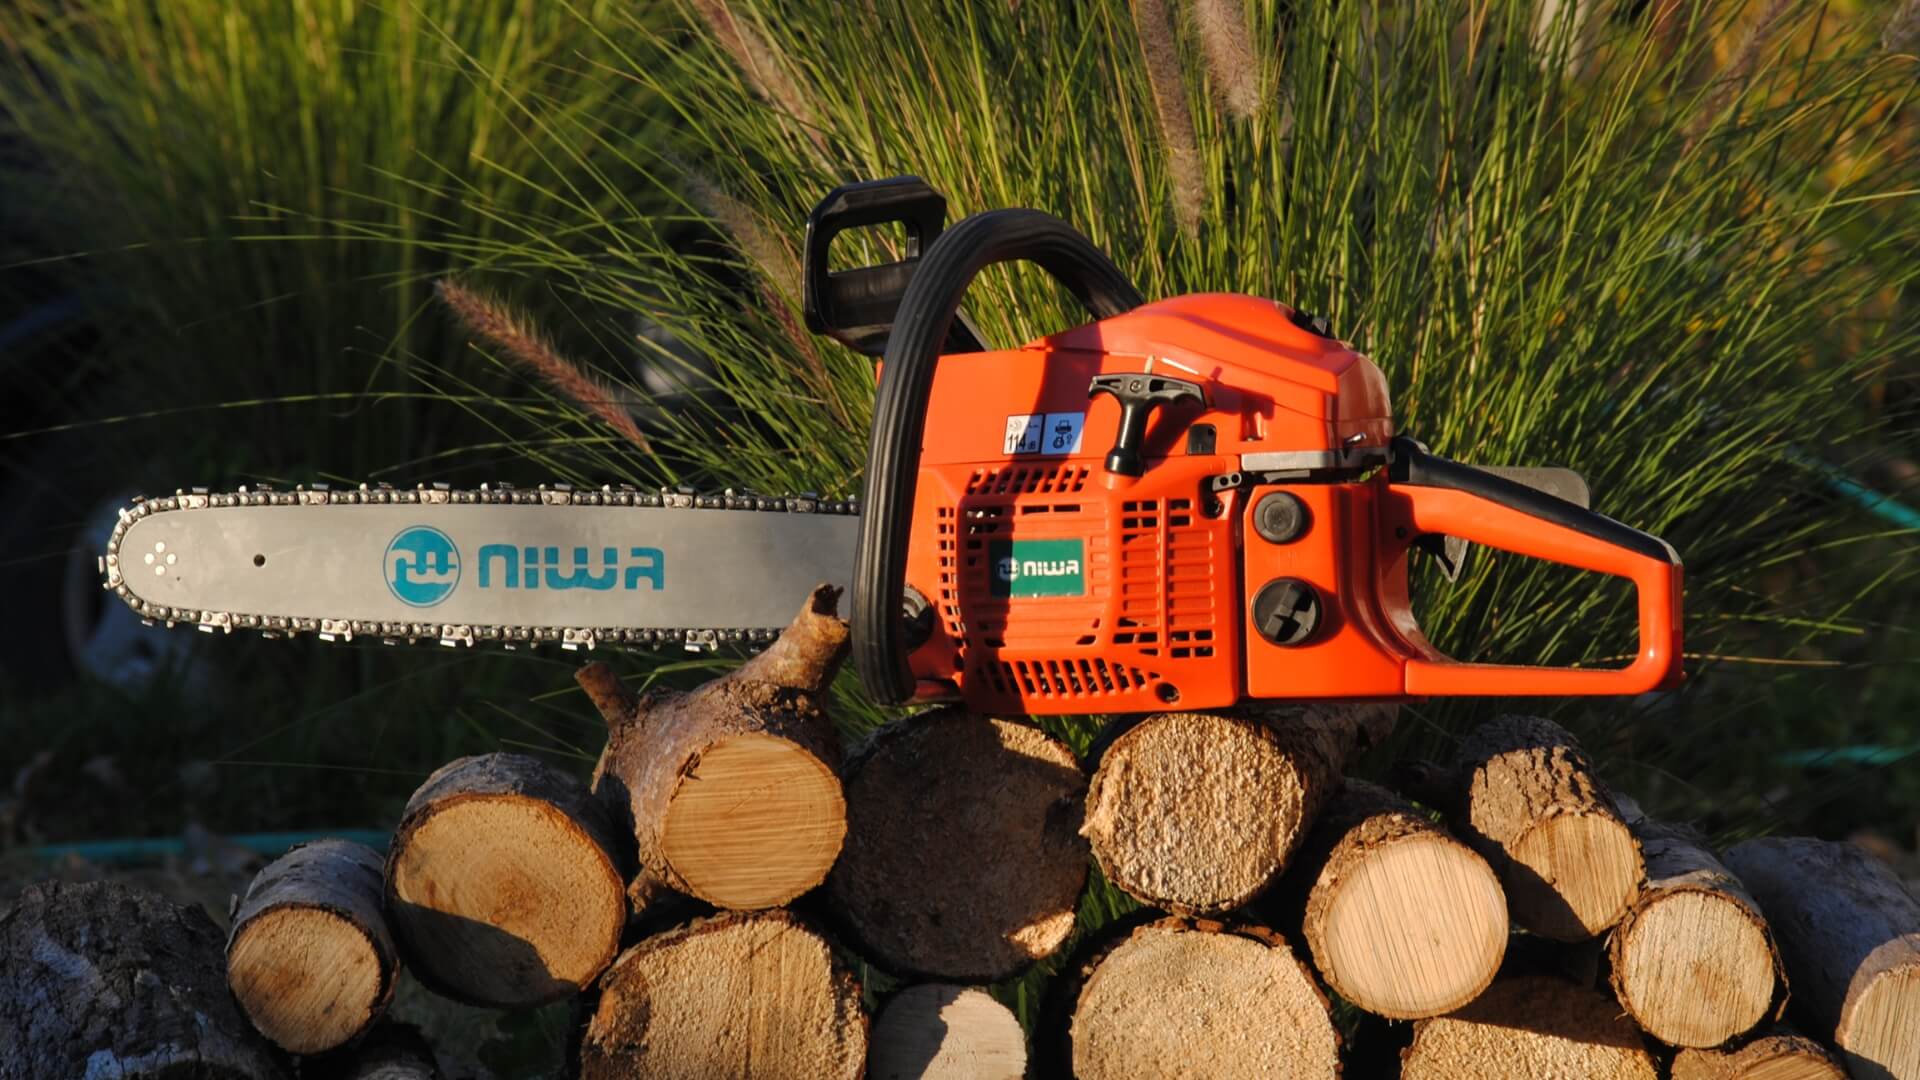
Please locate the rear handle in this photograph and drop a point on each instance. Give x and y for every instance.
(1434, 496)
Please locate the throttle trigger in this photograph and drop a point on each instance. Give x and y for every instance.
(1139, 395)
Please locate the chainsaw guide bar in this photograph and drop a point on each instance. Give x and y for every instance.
(577, 568)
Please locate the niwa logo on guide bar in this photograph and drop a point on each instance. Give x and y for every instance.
(423, 566)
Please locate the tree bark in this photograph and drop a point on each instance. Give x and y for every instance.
(939, 1031)
(1693, 960)
(1401, 919)
(104, 980)
(1197, 813)
(743, 994)
(1527, 798)
(1530, 1026)
(963, 858)
(1199, 998)
(1773, 1055)
(1850, 934)
(390, 1052)
(732, 790)
(310, 957)
(505, 883)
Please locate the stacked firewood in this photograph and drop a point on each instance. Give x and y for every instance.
(707, 896)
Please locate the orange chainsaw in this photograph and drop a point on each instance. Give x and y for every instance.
(1192, 502)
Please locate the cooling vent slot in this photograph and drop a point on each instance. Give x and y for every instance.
(1028, 480)
(1066, 677)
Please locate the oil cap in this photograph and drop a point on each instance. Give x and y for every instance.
(1286, 611)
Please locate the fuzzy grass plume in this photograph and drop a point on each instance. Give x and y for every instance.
(517, 339)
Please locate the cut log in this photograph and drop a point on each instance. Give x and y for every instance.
(310, 957)
(1528, 799)
(733, 790)
(1180, 998)
(104, 980)
(504, 883)
(939, 1031)
(743, 994)
(1197, 813)
(1692, 961)
(391, 1052)
(1530, 1026)
(963, 857)
(1774, 1055)
(1850, 935)
(1401, 919)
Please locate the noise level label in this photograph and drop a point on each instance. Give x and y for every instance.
(1043, 433)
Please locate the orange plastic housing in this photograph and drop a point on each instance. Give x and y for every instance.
(1059, 587)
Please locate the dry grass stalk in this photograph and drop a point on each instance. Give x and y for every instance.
(774, 260)
(506, 330)
(1230, 60)
(1902, 34)
(1733, 79)
(1162, 56)
(760, 63)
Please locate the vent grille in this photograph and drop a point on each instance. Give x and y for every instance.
(1028, 480)
(1076, 677)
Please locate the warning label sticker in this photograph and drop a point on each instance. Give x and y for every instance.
(1043, 433)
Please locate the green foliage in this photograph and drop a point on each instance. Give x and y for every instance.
(1664, 254)
(223, 183)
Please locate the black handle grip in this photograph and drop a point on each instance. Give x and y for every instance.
(920, 325)
(856, 307)
(1410, 463)
(1138, 396)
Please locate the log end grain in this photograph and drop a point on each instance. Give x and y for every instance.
(755, 821)
(1197, 813)
(1694, 967)
(1412, 926)
(1883, 1026)
(501, 886)
(307, 978)
(1573, 875)
(939, 1031)
(1197, 999)
(963, 859)
(1773, 1056)
(744, 994)
(1530, 1026)
(310, 957)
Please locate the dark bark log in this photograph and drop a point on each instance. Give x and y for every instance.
(732, 790)
(963, 858)
(310, 957)
(104, 980)
(1850, 935)
(505, 883)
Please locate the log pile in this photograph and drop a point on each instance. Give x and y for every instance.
(712, 896)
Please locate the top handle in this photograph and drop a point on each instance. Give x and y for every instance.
(856, 307)
(1438, 496)
(920, 326)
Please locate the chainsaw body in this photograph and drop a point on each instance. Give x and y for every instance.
(1186, 503)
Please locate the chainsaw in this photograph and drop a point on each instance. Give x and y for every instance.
(1192, 502)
